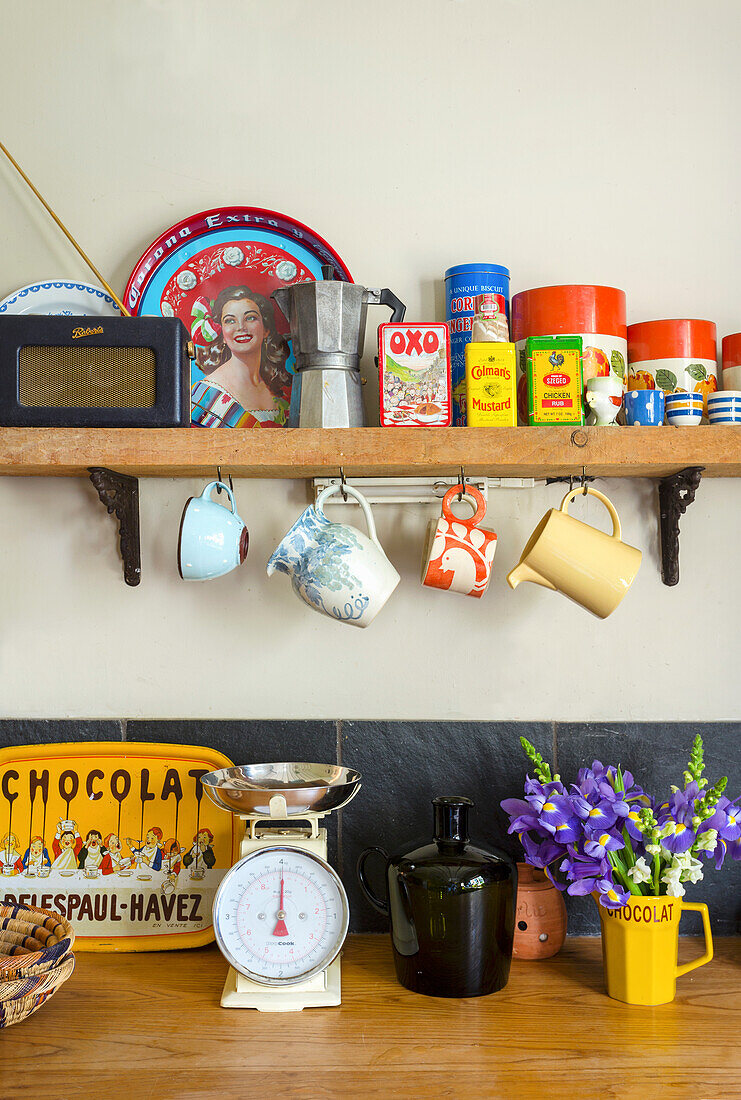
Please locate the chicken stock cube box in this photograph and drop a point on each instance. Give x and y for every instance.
(554, 380)
(491, 385)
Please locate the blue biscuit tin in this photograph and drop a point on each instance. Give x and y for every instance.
(462, 284)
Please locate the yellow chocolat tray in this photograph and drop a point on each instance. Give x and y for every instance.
(118, 837)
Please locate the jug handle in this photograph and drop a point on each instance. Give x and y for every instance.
(616, 531)
(206, 494)
(372, 897)
(335, 487)
(386, 297)
(702, 909)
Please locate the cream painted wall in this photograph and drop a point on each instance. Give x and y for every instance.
(575, 142)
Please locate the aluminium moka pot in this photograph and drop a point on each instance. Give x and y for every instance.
(327, 320)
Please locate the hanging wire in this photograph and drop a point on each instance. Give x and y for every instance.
(343, 483)
(584, 479)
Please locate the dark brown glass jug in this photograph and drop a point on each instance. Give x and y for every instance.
(452, 909)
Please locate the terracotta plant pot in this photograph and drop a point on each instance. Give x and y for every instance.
(540, 925)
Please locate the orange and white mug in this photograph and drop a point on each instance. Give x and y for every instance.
(458, 553)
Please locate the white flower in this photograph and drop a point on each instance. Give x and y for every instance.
(641, 872)
(674, 888)
(671, 878)
(707, 841)
(653, 849)
(691, 870)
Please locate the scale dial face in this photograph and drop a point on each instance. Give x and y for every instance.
(281, 915)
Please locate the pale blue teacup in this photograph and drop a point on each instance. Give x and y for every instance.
(213, 540)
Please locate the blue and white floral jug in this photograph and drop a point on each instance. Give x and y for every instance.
(335, 568)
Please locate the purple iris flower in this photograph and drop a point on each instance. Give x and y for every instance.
(612, 895)
(731, 828)
(557, 816)
(630, 824)
(541, 792)
(523, 816)
(723, 847)
(583, 874)
(602, 843)
(719, 854)
(598, 815)
(540, 854)
(681, 840)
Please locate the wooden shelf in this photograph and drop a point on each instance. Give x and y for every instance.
(368, 452)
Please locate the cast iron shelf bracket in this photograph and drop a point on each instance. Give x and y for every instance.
(676, 493)
(120, 494)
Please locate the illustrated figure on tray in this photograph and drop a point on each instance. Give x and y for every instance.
(92, 853)
(10, 858)
(247, 383)
(201, 855)
(148, 854)
(113, 861)
(66, 846)
(171, 865)
(36, 856)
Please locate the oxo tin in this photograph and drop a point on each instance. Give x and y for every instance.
(463, 284)
(414, 374)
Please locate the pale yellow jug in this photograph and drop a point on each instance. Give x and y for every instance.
(590, 567)
(639, 948)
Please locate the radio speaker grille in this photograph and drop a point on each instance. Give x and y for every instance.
(86, 378)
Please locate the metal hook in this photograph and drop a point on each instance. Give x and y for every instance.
(218, 487)
(463, 483)
(343, 483)
(584, 479)
(571, 483)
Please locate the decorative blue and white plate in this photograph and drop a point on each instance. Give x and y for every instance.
(60, 298)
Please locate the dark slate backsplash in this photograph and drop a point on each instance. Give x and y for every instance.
(404, 764)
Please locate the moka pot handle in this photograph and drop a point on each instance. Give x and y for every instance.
(386, 297)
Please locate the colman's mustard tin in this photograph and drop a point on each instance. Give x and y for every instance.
(491, 385)
(554, 380)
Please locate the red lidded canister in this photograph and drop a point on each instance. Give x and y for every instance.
(677, 354)
(596, 313)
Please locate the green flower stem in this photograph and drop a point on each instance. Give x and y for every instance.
(657, 869)
(619, 870)
(629, 848)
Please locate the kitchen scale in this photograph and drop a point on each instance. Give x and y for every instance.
(280, 913)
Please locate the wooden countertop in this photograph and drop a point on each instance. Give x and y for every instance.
(150, 1025)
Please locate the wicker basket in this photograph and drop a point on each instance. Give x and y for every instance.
(32, 941)
(20, 997)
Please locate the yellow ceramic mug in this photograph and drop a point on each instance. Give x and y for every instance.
(639, 948)
(590, 567)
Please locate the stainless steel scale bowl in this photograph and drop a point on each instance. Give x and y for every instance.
(307, 788)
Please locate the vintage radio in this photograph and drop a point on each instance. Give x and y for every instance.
(94, 372)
